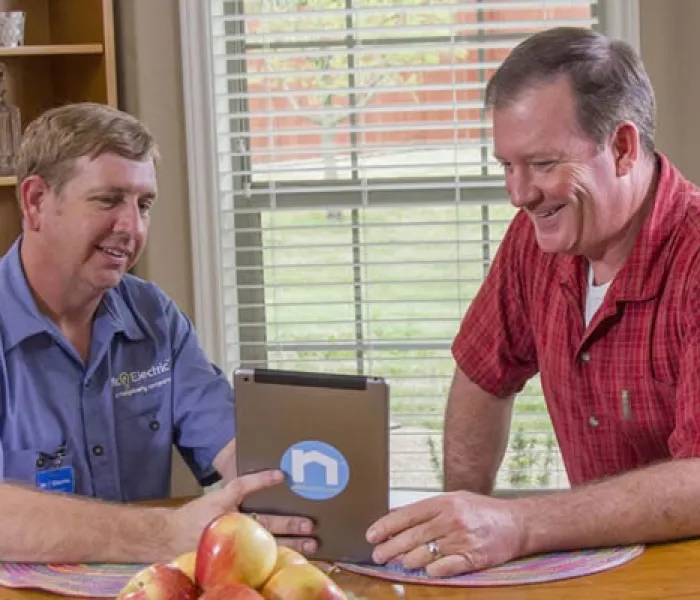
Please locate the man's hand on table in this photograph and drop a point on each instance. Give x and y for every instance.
(469, 531)
(188, 521)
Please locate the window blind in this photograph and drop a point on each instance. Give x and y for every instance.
(359, 204)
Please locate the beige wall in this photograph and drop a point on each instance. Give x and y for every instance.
(151, 88)
(670, 49)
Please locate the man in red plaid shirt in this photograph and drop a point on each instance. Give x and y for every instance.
(596, 286)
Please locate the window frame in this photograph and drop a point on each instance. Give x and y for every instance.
(619, 18)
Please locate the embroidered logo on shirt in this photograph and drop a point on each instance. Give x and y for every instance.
(138, 382)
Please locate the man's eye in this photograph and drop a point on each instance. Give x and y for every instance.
(109, 200)
(145, 208)
(544, 165)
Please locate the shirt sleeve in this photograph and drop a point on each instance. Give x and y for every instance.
(684, 441)
(495, 347)
(3, 404)
(203, 400)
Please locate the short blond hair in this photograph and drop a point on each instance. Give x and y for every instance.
(57, 138)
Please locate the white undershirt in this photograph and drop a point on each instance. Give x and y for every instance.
(594, 296)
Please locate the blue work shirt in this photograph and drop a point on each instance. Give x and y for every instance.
(147, 385)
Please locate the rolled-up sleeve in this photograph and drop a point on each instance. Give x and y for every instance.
(495, 346)
(203, 400)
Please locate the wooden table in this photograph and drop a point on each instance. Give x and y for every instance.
(664, 571)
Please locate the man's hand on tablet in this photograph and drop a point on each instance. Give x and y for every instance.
(188, 521)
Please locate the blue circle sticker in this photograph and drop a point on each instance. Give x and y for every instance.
(315, 470)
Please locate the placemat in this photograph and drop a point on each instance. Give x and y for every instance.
(534, 569)
(90, 580)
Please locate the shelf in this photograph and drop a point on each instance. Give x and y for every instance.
(53, 50)
(8, 181)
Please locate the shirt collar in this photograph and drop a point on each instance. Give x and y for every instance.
(21, 318)
(121, 315)
(641, 277)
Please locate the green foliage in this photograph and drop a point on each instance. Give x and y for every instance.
(436, 460)
(529, 464)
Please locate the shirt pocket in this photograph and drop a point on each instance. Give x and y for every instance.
(647, 413)
(143, 422)
(143, 408)
(23, 465)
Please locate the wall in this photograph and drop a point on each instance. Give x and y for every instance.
(670, 46)
(151, 88)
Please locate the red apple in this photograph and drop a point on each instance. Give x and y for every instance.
(231, 591)
(159, 582)
(234, 548)
(301, 582)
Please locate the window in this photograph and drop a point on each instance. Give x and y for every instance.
(347, 202)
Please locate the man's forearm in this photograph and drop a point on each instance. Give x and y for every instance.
(476, 434)
(654, 504)
(46, 527)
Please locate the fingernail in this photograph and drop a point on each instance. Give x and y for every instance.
(307, 527)
(377, 558)
(308, 547)
(372, 535)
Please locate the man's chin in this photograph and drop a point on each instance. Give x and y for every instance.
(108, 281)
(550, 245)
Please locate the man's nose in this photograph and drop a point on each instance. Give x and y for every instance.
(521, 189)
(129, 219)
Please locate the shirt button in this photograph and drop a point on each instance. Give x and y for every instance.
(593, 421)
(97, 450)
(155, 426)
(585, 357)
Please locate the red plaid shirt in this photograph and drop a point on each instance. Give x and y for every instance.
(624, 391)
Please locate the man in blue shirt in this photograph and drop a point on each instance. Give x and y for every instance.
(100, 372)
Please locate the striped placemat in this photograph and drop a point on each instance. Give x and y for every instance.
(89, 580)
(534, 569)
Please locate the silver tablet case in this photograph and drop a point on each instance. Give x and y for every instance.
(276, 409)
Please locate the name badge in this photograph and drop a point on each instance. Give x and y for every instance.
(61, 479)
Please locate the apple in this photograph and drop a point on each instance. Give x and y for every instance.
(287, 556)
(231, 591)
(185, 562)
(159, 582)
(301, 582)
(234, 548)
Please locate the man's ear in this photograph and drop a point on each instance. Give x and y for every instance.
(625, 147)
(32, 195)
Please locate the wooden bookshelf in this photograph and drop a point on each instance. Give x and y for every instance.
(68, 56)
(51, 50)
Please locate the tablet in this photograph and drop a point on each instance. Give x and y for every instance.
(330, 435)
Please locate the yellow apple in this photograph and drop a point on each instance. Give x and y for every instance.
(159, 582)
(287, 556)
(301, 582)
(231, 591)
(185, 562)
